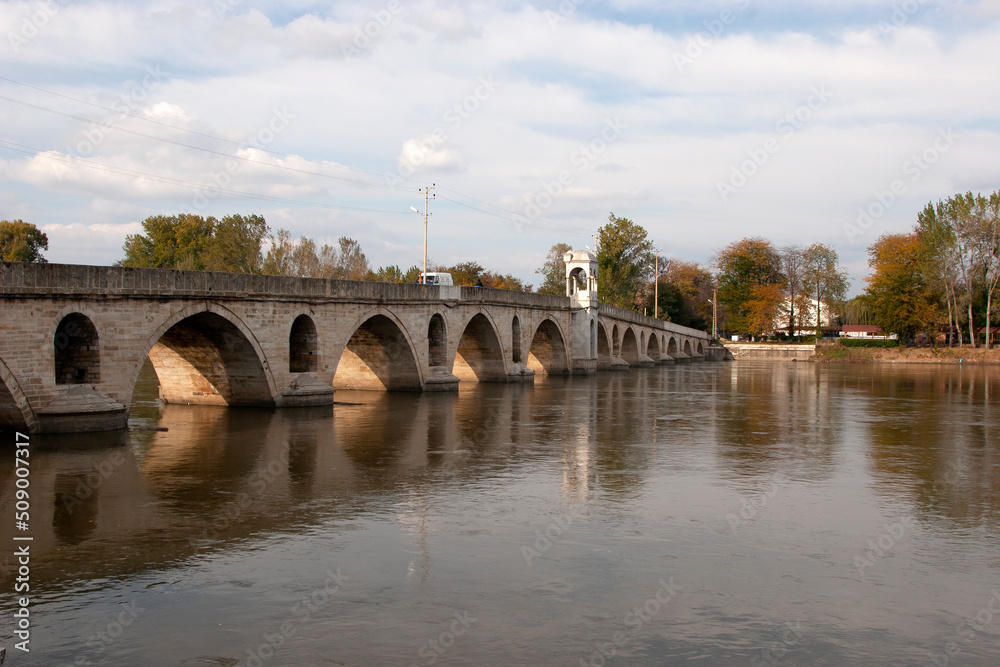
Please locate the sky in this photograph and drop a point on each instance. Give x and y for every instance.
(703, 121)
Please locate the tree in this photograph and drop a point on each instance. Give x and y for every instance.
(625, 260)
(745, 267)
(936, 261)
(394, 274)
(22, 242)
(554, 270)
(464, 273)
(823, 279)
(791, 267)
(685, 294)
(351, 261)
(991, 237)
(170, 242)
(898, 297)
(235, 244)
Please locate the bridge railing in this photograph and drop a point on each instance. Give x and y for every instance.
(644, 320)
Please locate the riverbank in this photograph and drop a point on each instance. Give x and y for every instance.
(906, 355)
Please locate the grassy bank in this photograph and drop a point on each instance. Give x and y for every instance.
(832, 353)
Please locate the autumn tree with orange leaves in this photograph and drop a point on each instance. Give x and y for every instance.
(898, 296)
(750, 285)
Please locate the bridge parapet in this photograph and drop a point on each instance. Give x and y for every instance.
(616, 313)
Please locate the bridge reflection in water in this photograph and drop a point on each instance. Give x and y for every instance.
(424, 501)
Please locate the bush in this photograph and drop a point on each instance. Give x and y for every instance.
(868, 342)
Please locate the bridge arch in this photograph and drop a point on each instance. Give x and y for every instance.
(701, 349)
(437, 341)
(603, 348)
(653, 349)
(378, 356)
(548, 353)
(672, 346)
(15, 411)
(687, 347)
(630, 347)
(479, 356)
(615, 342)
(205, 354)
(76, 350)
(303, 346)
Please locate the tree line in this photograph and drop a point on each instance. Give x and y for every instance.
(939, 278)
(245, 244)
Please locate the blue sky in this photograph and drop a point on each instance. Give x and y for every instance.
(702, 121)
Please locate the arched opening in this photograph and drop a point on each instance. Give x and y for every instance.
(593, 338)
(642, 341)
(303, 346)
(701, 349)
(479, 357)
(603, 349)
(615, 346)
(630, 348)
(77, 351)
(578, 281)
(653, 352)
(13, 406)
(437, 341)
(205, 359)
(672, 346)
(687, 347)
(548, 350)
(378, 358)
(515, 335)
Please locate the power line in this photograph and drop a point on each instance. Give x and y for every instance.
(183, 129)
(197, 148)
(39, 153)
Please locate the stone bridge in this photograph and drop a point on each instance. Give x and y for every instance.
(73, 339)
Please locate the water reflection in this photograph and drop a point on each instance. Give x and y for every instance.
(461, 475)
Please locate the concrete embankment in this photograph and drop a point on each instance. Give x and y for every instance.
(776, 351)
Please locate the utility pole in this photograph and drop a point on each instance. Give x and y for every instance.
(426, 192)
(715, 313)
(656, 288)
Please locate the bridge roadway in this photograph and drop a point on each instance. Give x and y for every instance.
(73, 339)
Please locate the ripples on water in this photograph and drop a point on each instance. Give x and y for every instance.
(525, 525)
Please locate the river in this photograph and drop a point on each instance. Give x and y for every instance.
(744, 513)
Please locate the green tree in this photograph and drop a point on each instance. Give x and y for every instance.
(823, 279)
(748, 269)
(554, 270)
(22, 242)
(170, 242)
(235, 245)
(464, 273)
(625, 261)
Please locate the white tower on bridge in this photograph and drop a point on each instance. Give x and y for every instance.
(581, 288)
